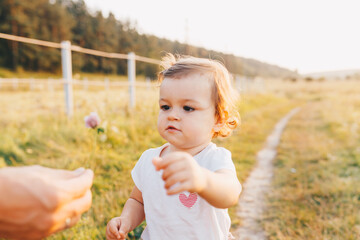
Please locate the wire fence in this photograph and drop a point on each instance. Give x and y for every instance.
(76, 48)
(242, 84)
(66, 62)
(51, 84)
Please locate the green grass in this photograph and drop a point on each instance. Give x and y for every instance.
(35, 130)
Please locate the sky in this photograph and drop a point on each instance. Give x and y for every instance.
(304, 35)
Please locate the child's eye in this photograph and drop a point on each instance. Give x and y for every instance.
(164, 107)
(188, 109)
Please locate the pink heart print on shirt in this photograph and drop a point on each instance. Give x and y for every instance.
(188, 201)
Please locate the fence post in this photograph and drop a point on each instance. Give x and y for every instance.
(85, 84)
(32, 84)
(15, 83)
(131, 77)
(67, 76)
(148, 84)
(50, 85)
(107, 84)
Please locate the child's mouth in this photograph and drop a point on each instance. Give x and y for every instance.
(172, 128)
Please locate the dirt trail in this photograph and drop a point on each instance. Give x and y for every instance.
(252, 199)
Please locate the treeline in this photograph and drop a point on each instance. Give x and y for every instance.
(58, 20)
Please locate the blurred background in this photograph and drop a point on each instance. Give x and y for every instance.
(281, 55)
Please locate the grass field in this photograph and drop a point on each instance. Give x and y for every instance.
(316, 191)
(35, 130)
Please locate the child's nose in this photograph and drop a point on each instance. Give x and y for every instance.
(173, 115)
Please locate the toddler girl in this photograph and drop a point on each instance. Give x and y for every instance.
(183, 188)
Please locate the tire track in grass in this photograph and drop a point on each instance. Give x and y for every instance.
(252, 200)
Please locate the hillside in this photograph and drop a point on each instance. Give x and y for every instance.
(71, 20)
(254, 67)
(340, 74)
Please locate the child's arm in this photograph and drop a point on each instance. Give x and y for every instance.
(221, 188)
(131, 216)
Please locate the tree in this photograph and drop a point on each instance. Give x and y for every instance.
(70, 20)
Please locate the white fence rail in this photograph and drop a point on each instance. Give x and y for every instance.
(52, 84)
(243, 84)
(67, 48)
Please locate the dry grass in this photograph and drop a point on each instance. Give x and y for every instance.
(35, 130)
(316, 194)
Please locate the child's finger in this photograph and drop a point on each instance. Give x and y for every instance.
(163, 162)
(110, 235)
(158, 163)
(124, 229)
(175, 178)
(113, 229)
(185, 186)
(172, 169)
(122, 236)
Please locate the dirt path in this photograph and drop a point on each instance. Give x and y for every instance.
(252, 199)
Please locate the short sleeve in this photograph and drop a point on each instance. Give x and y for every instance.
(221, 159)
(138, 170)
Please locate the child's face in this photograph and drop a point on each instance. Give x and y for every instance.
(187, 111)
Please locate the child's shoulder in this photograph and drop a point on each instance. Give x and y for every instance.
(215, 158)
(213, 152)
(214, 149)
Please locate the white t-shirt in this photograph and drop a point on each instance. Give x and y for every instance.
(181, 216)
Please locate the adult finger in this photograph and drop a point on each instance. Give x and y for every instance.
(22, 235)
(40, 228)
(53, 172)
(70, 222)
(72, 211)
(66, 174)
(75, 186)
(13, 227)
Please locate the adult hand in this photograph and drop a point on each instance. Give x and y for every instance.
(37, 201)
(181, 173)
(117, 228)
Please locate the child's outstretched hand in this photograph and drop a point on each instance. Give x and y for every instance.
(180, 168)
(117, 228)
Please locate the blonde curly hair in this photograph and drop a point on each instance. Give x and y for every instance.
(224, 95)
